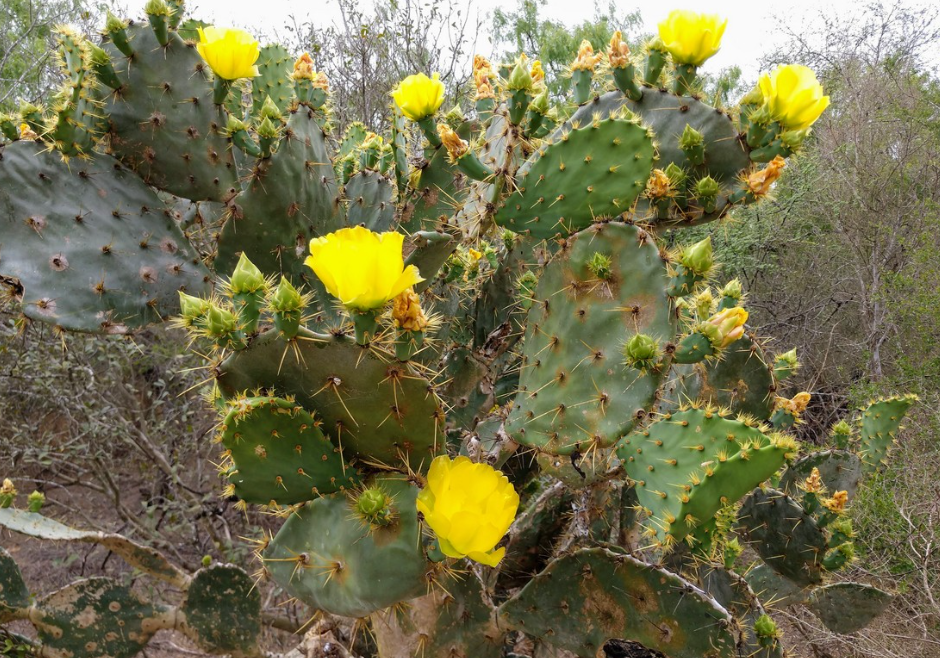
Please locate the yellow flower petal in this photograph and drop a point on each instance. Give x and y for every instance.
(793, 96)
(419, 96)
(690, 37)
(230, 53)
(490, 559)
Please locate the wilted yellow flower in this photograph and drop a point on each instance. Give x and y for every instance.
(364, 270)
(419, 96)
(469, 507)
(690, 37)
(793, 96)
(303, 68)
(230, 53)
(838, 502)
(618, 53)
(586, 59)
(456, 147)
(407, 313)
(796, 405)
(814, 483)
(659, 186)
(26, 132)
(759, 182)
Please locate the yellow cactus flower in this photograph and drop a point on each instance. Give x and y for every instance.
(230, 53)
(419, 96)
(537, 72)
(364, 270)
(728, 325)
(469, 507)
(690, 37)
(793, 96)
(759, 182)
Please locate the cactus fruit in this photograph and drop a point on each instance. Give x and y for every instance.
(521, 296)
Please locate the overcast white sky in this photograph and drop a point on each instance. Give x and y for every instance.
(752, 27)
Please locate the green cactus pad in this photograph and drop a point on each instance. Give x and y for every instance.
(688, 465)
(574, 391)
(163, 122)
(429, 251)
(274, 67)
(279, 454)
(355, 134)
(289, 198)
(438, 191)
(582, 600)
(847, 607)
(880, 423)
(735, 595)
(456, 619)
(91, 245)
(786, 537)
(840, 470)
(667, 115)
(773, 589)
(222, 611)
(592, 171)
(369, 195)
(501, 152)
(369, 405)
(740, 380)
(327, 557)
(140, 557)
(97, 617)
(13, 592)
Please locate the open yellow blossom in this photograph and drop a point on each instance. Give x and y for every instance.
(230, 53)
(469, 507)
(759, 182)
(690, 37)
(419, 96)
(793, 96)
(726, 326)
(363, 269)
(586, 60)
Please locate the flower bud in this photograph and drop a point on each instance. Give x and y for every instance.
(7, 493)
(699, 258)
(520, 78)
(600, 266)
(246, 277)
(192, 308)
(286, 298)
(641, 352)
(35, 501)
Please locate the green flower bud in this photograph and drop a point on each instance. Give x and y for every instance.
(690, 138)
(520, 78)
(733, 290)
(641, 352)
(286, 298)
(269, 110)
(699, 258)
(191, 307)
(454, 116)
(732, 551)
(793, 139)
(509, 239)
(35, 501)
(206, 560)
(157, 8)
(234, 125)
(220, 321)
(765, 627)
(539, 104)
(657, 45)
(841, 427)
(98, 55)
(246, 277)
(114, 24)
(374, 505)
(675, 174)
(704, 303)
(599, 265)
(525, 286)
(707, 188)
(267, 129)
(754, 97)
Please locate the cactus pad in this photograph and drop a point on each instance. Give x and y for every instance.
(90, 244)
(847, 607)
(582, 600)
(840, 470)
(688, 465)
(163, 122)
(13, 592)
(96, 617)
(786, 537)
(274, 68)
(327, 557)
(880, 423)
(602, 166)
(575, 393)
(368, 405)
(279, 453)
(369, 195)
(223, 611)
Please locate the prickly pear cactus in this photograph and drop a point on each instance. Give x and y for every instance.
(488, 405)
